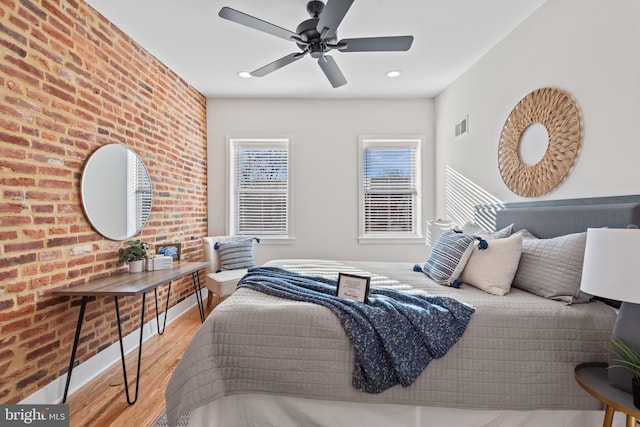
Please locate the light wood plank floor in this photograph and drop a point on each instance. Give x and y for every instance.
(103, 403)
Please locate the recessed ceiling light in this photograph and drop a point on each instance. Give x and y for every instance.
(394, 73)
(244, 74)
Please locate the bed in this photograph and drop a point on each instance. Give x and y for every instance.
(261, 360)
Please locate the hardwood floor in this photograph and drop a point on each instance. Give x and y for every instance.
(103, 402)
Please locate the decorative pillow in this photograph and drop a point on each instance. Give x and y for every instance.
(476, 230)
(448, 257)
(236, 254)
(493, 269)
(552, 268)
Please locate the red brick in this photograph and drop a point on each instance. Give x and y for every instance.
(19, 167)
(40, 282)
(6, 354)
(30, 379)
(16, 287)
(9, 274)
(25, 299)
(23, 247)
(9, 315)
(30, 270)
(12, 207)
(13, 139)
(3, 368)
(6, 304)
(15, 326)
(54, 183)
(14, 221)
(44, 220)
(51, 266)
(8, 235)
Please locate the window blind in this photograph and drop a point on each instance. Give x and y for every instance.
(138, 194)
(390, 189)
(143, 194)
(261, 188)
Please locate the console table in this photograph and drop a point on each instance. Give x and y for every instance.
(129, 284)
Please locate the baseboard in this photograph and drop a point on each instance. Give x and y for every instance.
(88, 370)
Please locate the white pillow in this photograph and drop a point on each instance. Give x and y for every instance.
(493, 269)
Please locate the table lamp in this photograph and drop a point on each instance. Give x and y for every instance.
(611, 270)
(436, 227)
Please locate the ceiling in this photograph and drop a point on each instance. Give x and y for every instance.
(208, 51)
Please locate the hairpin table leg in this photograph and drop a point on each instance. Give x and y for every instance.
(124, 367)
(83, 305)
(166, 309)
(195, 277)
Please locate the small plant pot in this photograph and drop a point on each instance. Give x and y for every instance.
(136, 266)
(635, 388)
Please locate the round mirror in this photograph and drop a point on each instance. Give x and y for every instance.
(116, 192)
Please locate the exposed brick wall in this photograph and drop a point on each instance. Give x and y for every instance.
(71, 82)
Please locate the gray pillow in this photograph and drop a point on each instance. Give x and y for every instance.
(475, 230)
(236, 254)
(552, 268)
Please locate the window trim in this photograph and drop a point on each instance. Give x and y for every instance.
(392, 141)
(279, 140)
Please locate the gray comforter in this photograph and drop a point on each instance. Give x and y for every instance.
(518, 352)
(395, 335)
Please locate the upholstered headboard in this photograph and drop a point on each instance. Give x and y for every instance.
(551, 218)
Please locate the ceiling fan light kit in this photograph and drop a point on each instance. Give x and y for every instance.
(317, 36)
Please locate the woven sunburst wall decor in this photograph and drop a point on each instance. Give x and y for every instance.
(559, 114)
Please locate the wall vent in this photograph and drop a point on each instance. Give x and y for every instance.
(462, 127)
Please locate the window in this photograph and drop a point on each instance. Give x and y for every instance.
(390, 196)
(138, 194)
(259, 195)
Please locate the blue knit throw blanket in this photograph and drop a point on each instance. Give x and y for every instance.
(395, 335)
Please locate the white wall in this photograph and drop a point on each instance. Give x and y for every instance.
(589, 48)
(324, 167)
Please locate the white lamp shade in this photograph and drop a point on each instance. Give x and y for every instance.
(612, 264)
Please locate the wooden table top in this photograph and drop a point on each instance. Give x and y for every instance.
(593, 378)
(132, 283)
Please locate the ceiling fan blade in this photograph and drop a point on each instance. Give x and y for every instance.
(332, 15)
(269, 68)
(377, 44)
(255, 23)
(331, 70)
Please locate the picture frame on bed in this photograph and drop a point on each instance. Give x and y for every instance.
(170, 249)
(353, 287)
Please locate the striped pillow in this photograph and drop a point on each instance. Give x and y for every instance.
(237, 254)
(448, 257)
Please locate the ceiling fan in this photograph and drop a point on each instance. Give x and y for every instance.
(317, 36)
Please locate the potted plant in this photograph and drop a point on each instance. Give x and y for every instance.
(629, 359)
(134, 254)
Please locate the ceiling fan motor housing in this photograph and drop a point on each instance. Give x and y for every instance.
(314, 7)
(315, 45)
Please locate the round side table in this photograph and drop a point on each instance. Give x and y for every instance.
(593, 378)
